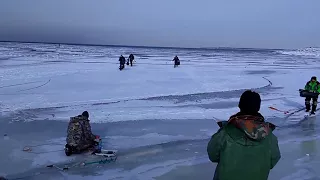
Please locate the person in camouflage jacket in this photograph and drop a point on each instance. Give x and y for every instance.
(79, 134)
(244, 147)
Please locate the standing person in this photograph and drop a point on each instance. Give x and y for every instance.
(122, 61)
(176, 61)
(244, 147)
(131, 58)
(312, 86)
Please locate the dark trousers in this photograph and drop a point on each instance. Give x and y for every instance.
(314, 103)
(131, 60)
(121, 66)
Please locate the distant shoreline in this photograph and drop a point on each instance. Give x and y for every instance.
(153, 47)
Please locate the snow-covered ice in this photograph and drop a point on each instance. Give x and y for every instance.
(160, 118)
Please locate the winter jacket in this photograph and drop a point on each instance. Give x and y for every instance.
(122, 60)
(244, 148)
(313, 86)
(79, 133)
(131, 57)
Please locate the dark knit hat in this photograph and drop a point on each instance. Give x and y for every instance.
(250, 102)
(85, 113)
(314, 77)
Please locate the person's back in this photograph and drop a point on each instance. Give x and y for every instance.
(245, 147)
(79, 134)
(122, 60)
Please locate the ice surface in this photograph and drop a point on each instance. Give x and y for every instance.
(311, 52)
(159, 117)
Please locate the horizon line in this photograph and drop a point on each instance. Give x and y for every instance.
(142, 46)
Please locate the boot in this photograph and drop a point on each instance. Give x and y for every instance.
(307, 107)
(313, 109)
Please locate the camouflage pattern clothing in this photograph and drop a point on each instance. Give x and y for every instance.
(244, 148)
(79, 133)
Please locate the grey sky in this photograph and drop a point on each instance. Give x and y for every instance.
(184, 23)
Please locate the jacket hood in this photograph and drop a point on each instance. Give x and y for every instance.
(253, 126)
(78, 118)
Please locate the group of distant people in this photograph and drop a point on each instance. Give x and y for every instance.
(122, 61)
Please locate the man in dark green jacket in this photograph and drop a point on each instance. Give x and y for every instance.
(244, 147)
(313, 86)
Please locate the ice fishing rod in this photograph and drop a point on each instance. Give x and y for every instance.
(29, 149)
(288, 111)
(285, 112)
(220, 123)
(100, 161)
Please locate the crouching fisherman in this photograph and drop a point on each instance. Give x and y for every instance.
(79, 137)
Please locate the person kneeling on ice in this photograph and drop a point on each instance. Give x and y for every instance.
(79, 137)
(312, 86)
(244, 147)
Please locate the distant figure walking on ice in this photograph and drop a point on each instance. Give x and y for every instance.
(176, 61)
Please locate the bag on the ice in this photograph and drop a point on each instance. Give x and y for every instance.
(305, 93)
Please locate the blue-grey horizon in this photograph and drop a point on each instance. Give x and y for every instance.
(181, 23)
